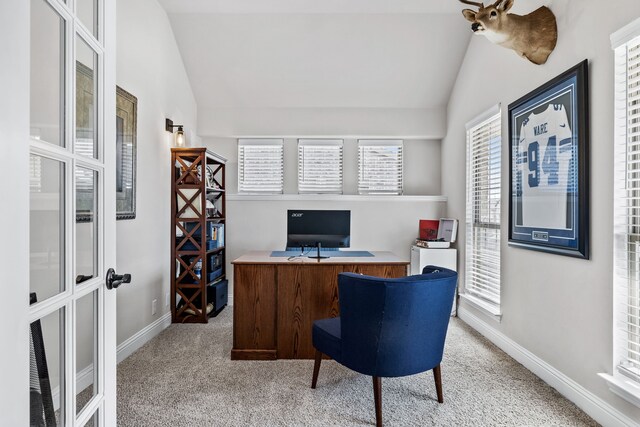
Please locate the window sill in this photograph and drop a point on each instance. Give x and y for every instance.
(624, 387)
(335, 197)
(492, 309)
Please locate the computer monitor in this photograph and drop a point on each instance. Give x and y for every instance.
(318, 228)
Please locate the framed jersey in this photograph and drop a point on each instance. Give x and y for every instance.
(548, 158)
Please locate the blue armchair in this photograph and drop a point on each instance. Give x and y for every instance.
(388, 327)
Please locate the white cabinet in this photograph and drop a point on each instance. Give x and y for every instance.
(421, 257)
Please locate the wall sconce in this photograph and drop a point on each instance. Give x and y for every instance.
(179, 135)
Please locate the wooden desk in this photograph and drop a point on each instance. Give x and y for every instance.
(275, 301)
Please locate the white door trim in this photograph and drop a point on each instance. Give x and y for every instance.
(109, 237)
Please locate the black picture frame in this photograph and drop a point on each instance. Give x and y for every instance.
(126, 147)
(85, 141)
(126, 152)
(549, 166)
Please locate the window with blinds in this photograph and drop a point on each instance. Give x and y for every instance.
(627, 208)
(320, 166)
(260, 166)
(482, 275)
(380, 166)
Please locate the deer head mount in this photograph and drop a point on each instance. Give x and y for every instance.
(532, 36)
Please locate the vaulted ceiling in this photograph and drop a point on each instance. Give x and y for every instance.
(320, 54)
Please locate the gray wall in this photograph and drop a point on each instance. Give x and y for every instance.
(562, 313)
(376, 225)
(427, 123)
(149, 67)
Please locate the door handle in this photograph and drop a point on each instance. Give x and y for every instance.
(114, 280)
(82, 278)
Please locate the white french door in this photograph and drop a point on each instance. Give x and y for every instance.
(71, 213)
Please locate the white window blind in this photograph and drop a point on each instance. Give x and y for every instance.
(482, 275)
(320, 166)
(380, 167)
(260, 166)
(627, 209)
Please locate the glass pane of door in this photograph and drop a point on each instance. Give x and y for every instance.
(86, 349)
(47, 229)
(94, 421)
(86, 224)
(47, 73)
(46, 369)
(86, 99)
(87, 11)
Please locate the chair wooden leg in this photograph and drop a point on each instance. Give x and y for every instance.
(438, 378)
(377, 397)
(316, 369)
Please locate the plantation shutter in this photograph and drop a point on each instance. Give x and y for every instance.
(320, 166)
(260, 166)
(380, 167)
(627, 209)
(482, 275)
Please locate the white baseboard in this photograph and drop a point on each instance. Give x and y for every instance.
(124, 350)
(144, 335)
(597, 408)
(84, 379)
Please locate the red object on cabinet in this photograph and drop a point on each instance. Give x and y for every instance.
(429, 229)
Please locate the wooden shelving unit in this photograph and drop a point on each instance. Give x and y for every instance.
(198, 232)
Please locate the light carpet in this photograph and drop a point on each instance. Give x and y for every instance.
(184, 377)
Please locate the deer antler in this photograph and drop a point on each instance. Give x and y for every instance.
(473, 3)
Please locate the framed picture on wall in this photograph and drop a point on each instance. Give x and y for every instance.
(126, 147)
(548, 166)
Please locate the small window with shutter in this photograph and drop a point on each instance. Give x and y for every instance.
(260, 166)
(320, 166)
(380, 166)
